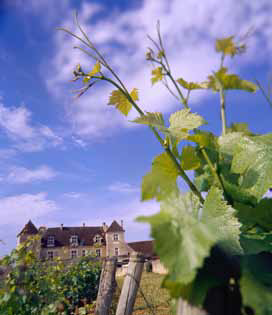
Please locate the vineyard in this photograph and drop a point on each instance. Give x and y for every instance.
(219, 260)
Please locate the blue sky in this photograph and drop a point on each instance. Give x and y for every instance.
(72, 161)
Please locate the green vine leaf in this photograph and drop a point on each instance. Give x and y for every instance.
(161, 180)
(96, 69)
(253, 160)
(120, 101)
(256, 283)
(192, 232)
(192, 85)
(230, 82)
(226, 46)
(189, 158)
(204, 139)
(182, 121)
(157, 75)
(151, 119)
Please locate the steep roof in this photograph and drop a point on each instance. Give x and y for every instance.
(144, 247)
(62, 235)
(115, 227)
(29, 228)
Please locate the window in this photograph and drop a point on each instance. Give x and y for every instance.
(74, 240)
(73, 254)
(50, 255)
(116, 251)
(83, 253)
(98, 252)
(51, 241)
(115, 237)
(97, 239)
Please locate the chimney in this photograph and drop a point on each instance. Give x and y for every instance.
(61, 226)
(104, 226)
(122, 224)
(83, 224)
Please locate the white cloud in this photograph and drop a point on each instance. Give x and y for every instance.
(189, 29)
(17, 124)
(19, 209)
(122, 188)
(73, 195)
(22, 175)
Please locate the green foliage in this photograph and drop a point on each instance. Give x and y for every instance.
(229, 82)
(161, 180)
(33, 287)
(235, 169)
(256, 283)
(121, 102)
(157, 75)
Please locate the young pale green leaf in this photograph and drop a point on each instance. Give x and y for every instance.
(134, 95)
(189, 158)
(151, 119)
(216, 211)
(182, 121)
(256, 283)
(239, 127)
(96, 69)
(161, 180)
(157, 75)
(190, 239)
(253, 159)
(229, 142)
(204, 139)
(230, 82)
(192, 85)
(192, 232)
(226, 46)
(119, 100)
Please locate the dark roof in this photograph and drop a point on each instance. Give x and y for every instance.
(144, 247)
(62, 235)
(115, 227)
(29, 228)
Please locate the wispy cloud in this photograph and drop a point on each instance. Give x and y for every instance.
(19, 209)
(122, 188)
(25, 135)
(21, 175)
(189, 41)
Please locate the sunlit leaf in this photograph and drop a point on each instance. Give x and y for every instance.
(161, 180)
(192, 231)
(192, 85)
(96, 69)
(189, 158)
(151, 119)
(230, 82)
(182, 121)
(253, 159)
(157, 75)
(120, 101)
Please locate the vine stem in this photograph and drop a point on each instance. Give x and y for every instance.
(213, 170)
(223, 112)
(167, 149)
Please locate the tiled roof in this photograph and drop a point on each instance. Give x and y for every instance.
(29, 228)
(62, 235)
(144, 247)
(115, 227)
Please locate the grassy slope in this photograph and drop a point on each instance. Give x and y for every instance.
(154, 294)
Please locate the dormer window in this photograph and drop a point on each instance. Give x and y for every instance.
(115, 237)
(51, 241)
(97, 239)
(74, 240)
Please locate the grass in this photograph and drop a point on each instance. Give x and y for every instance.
(157, 297)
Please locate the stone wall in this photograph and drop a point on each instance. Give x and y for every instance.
(158, 267)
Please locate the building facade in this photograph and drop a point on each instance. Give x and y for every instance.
(71, 242)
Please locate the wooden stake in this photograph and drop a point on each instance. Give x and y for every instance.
(107, 286)
(131, 284)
